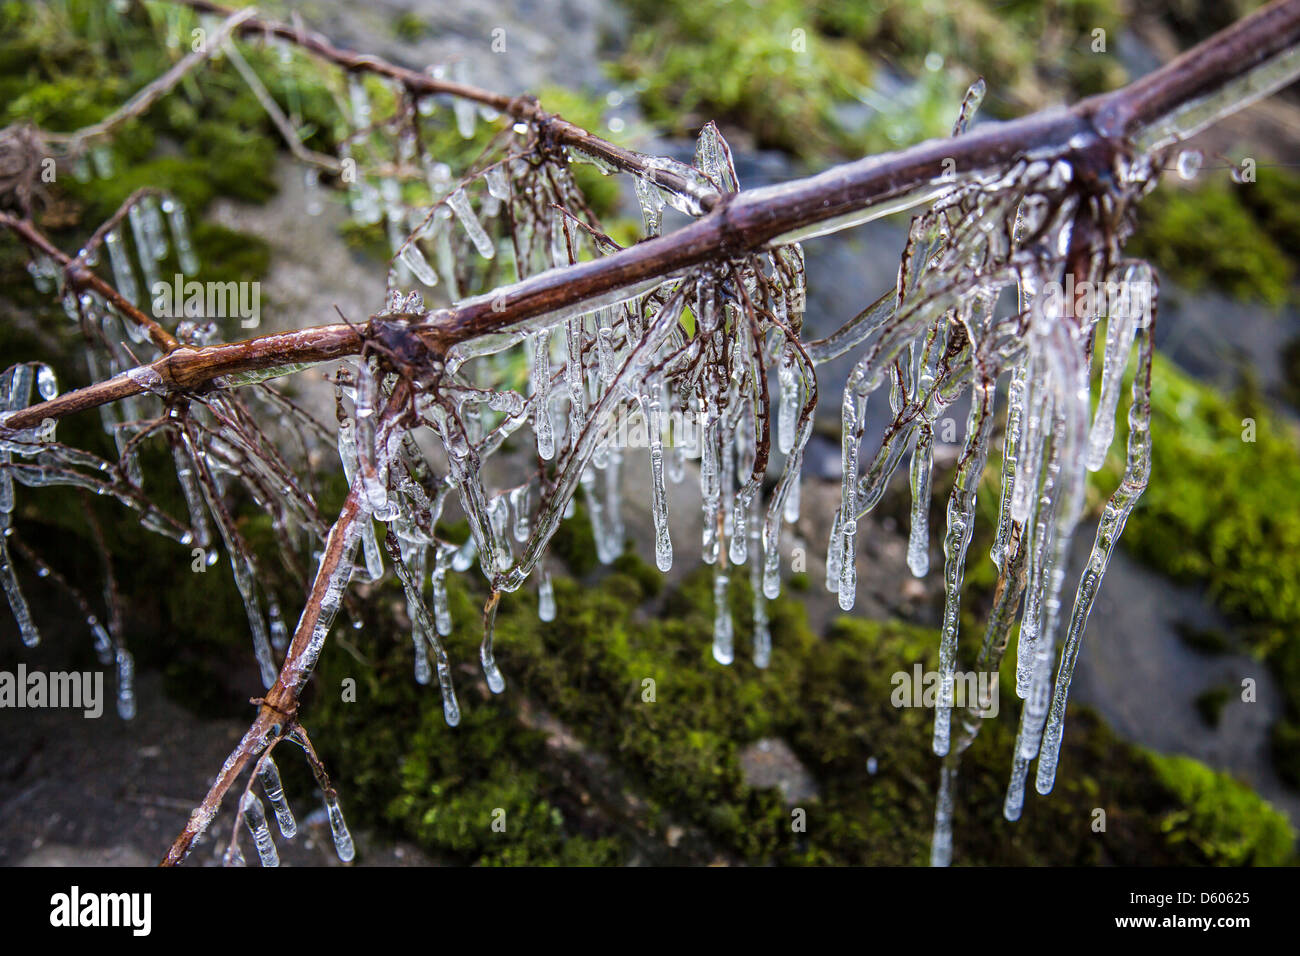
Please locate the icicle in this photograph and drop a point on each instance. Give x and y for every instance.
(144, 250)
(425, 626)
(314, 205)
(941, 843)
(852, 414)
(961, 520)
(441, 606)
(496, 683)
(367, 402)
(723, 652)
(465, 555)
(499, 515)
(125, 684)
(713, 158)
(918, 540)
(186, 258)
(652, 205)
(459, 203)
(1010, 455)
(762, 635)
(651, 409)
(710, 489)
(1109, 529)
(790, 511)
(545, 598)
(123, 277)
(520, 509)
(268, 774)
(359, 100)
(1121, 326)
(446, 257)
(498, 182)
(541, 384)
(788, 405)
(250, 807)
(17, 603)
(103, 642)
(339, 828)
(421, 650)
(414, 259)
(466, 111)
(605, 353)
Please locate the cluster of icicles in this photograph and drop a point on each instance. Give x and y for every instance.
(704, 344)
(252, 812)
(33, 458)
(937, 335)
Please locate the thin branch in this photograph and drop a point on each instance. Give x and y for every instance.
(150, 94)
(1089, 135)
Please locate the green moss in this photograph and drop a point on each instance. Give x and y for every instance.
(791, 66)
(1210, 516)
(617, 727)
(1224, 820)
(1207, 237)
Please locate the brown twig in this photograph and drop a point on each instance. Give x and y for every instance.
(1089, 135)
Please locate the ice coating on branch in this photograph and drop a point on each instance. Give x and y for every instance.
(713, 158)
(652, 205)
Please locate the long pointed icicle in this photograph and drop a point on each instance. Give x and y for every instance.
(423, 623)
(918, 538)
(852, 413)
(269, 776)
(1109, 529)
(723, 651)
(343, 845)
(1121, 326)
(496, 683)
(255, 819)
(541, 376)
(651, 409)
(961, 519)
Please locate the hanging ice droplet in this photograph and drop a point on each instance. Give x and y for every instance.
(125, 684)
(46, 383)
(1189, 163)
(465, 110)
(185, 256)
(545, 598)
(498, 183)
(723, 651)
(250, 807)
(414, 259)
(459, 203)
(268, 774)
(339, 828)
